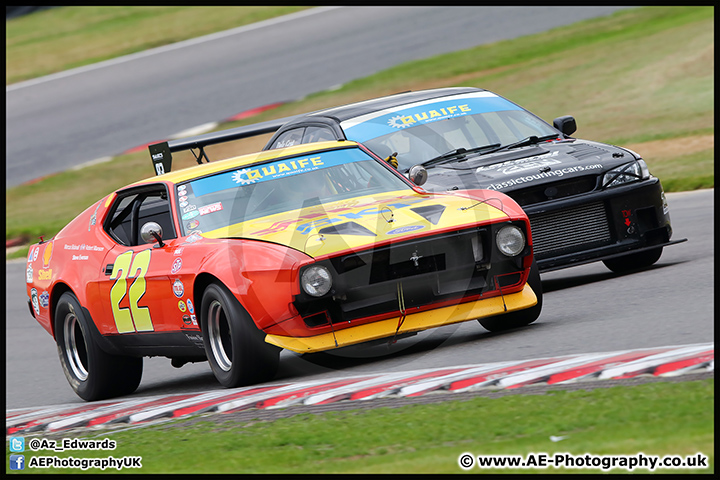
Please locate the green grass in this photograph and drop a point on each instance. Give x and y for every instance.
(665, 418)
(685, 172)
(59, 39)
(637, 76)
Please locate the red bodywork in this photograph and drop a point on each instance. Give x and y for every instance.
(262, 275)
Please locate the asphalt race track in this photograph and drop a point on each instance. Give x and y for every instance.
(60, 121)
(586, 309)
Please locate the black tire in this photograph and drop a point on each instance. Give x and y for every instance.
(633, 261)
(520, 318)
(235, 347)
(92, 373)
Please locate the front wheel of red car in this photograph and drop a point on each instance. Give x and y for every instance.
(633, 261)
(521, 317)
(235, 347)
(92, 373)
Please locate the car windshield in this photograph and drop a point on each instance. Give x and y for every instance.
(277, 186)
(425, 130)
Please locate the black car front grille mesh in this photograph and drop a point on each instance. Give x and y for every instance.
(569, 229)
(553, 191)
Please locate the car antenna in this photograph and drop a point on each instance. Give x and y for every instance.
(392, 215)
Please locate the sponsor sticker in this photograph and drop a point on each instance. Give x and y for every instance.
(274, 170)
(47, 254)
(193, 224)
(409, 228)
(176, 266)
(393, 119)
(194, 237)
(87, 248)
(45, 274)
(178, 288)
(29, 274)
(93, 218)
(44, 298)
(35, 302)
(195, 338)
(186, 320)
(181, 306)
(213, 207)
(190, 215)
(190, 307)
(523, 164)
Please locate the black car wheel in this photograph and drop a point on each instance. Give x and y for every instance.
(520, 318)
(633, 261)
(92, 373)
(235, 347)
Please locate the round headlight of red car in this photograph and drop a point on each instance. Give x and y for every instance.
(316, 281)
(510, 240)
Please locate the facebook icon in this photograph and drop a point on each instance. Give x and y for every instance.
(17, 462)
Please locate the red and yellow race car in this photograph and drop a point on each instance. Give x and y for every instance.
(306, 248)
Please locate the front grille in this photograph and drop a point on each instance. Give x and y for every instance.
(569, 230)
(543, 193)
(428, 268)
(420, 272)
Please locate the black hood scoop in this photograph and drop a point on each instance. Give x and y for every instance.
(431, 213)
(349, 228)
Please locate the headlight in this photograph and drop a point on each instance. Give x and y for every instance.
(510, 240)
(630, 172)
(316, 281)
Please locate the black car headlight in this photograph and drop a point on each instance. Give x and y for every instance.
(316, 280)
(510, 240)
(630, 172)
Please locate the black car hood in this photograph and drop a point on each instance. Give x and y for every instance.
(531, 166)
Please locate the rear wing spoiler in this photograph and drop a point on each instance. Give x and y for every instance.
(161, 153)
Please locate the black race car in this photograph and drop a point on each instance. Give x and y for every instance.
(587, 201)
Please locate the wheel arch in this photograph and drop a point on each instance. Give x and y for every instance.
(202, 281)
(57, 291)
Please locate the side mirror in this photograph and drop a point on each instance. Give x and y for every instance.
(151, 232)
(566, 124)
(418, 175)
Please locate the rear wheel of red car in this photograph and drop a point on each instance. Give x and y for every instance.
(522, 317)
(235, 347)
(93, 373)
(633, 261)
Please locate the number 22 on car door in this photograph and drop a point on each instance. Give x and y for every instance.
(128, 276)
